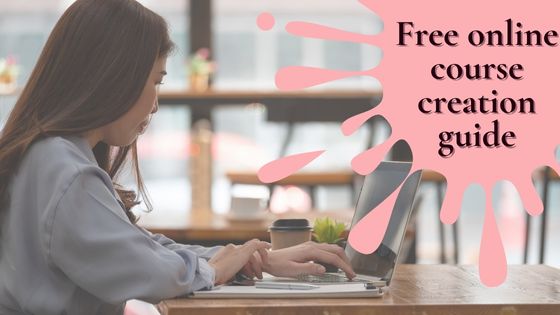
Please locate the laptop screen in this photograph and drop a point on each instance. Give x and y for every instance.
(377, 187)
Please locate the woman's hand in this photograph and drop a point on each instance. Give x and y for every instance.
(231, 259)
(254, 268)
(295, 260)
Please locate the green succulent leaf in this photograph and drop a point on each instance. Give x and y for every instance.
(326, 230)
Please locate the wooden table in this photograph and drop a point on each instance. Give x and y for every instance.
(416, 289)
(204, 228)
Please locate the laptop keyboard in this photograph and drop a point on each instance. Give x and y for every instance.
(326, 277)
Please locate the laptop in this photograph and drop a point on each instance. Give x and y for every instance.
(376, 268)
(373, 271)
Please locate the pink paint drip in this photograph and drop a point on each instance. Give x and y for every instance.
(367, 234)
(530, 197)
(312, 30)
(286, 166)
(492, 263)
(367, 161)
(297, 77)
(350, 125)
(451, 206)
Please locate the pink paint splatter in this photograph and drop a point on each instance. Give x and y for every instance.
(405, 73)
(266, 21)
(284, 167)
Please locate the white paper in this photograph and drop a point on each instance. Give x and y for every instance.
(324, 291)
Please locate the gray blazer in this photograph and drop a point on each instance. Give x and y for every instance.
(66, 246)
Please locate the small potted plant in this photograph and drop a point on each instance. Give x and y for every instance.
(201, 68)
(326, 230)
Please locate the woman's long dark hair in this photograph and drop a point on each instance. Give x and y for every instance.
(91, 71)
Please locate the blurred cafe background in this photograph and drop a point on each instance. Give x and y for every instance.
(221, 117)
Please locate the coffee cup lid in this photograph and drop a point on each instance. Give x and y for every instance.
(290, 225)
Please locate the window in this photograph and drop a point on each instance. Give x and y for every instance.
(248, 57)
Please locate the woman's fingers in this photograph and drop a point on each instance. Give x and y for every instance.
(256, 264)
(254, 268)
(222, 252)
(259, 255)
(333, 259)
(263, 254)
(335, 249)
(307, 268)
(252, 265)
(248, 271)
(232, 259)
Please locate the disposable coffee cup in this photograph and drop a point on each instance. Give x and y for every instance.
(289, 232)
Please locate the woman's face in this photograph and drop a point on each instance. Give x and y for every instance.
(126, 129)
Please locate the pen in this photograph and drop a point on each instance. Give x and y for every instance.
(285, 286)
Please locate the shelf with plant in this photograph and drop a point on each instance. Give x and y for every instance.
(200, 69)
(9, 70)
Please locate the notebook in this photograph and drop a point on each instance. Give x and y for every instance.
(355, 290)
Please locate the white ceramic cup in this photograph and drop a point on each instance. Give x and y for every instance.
(247, 207)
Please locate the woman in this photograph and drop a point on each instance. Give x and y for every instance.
(68, 239)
